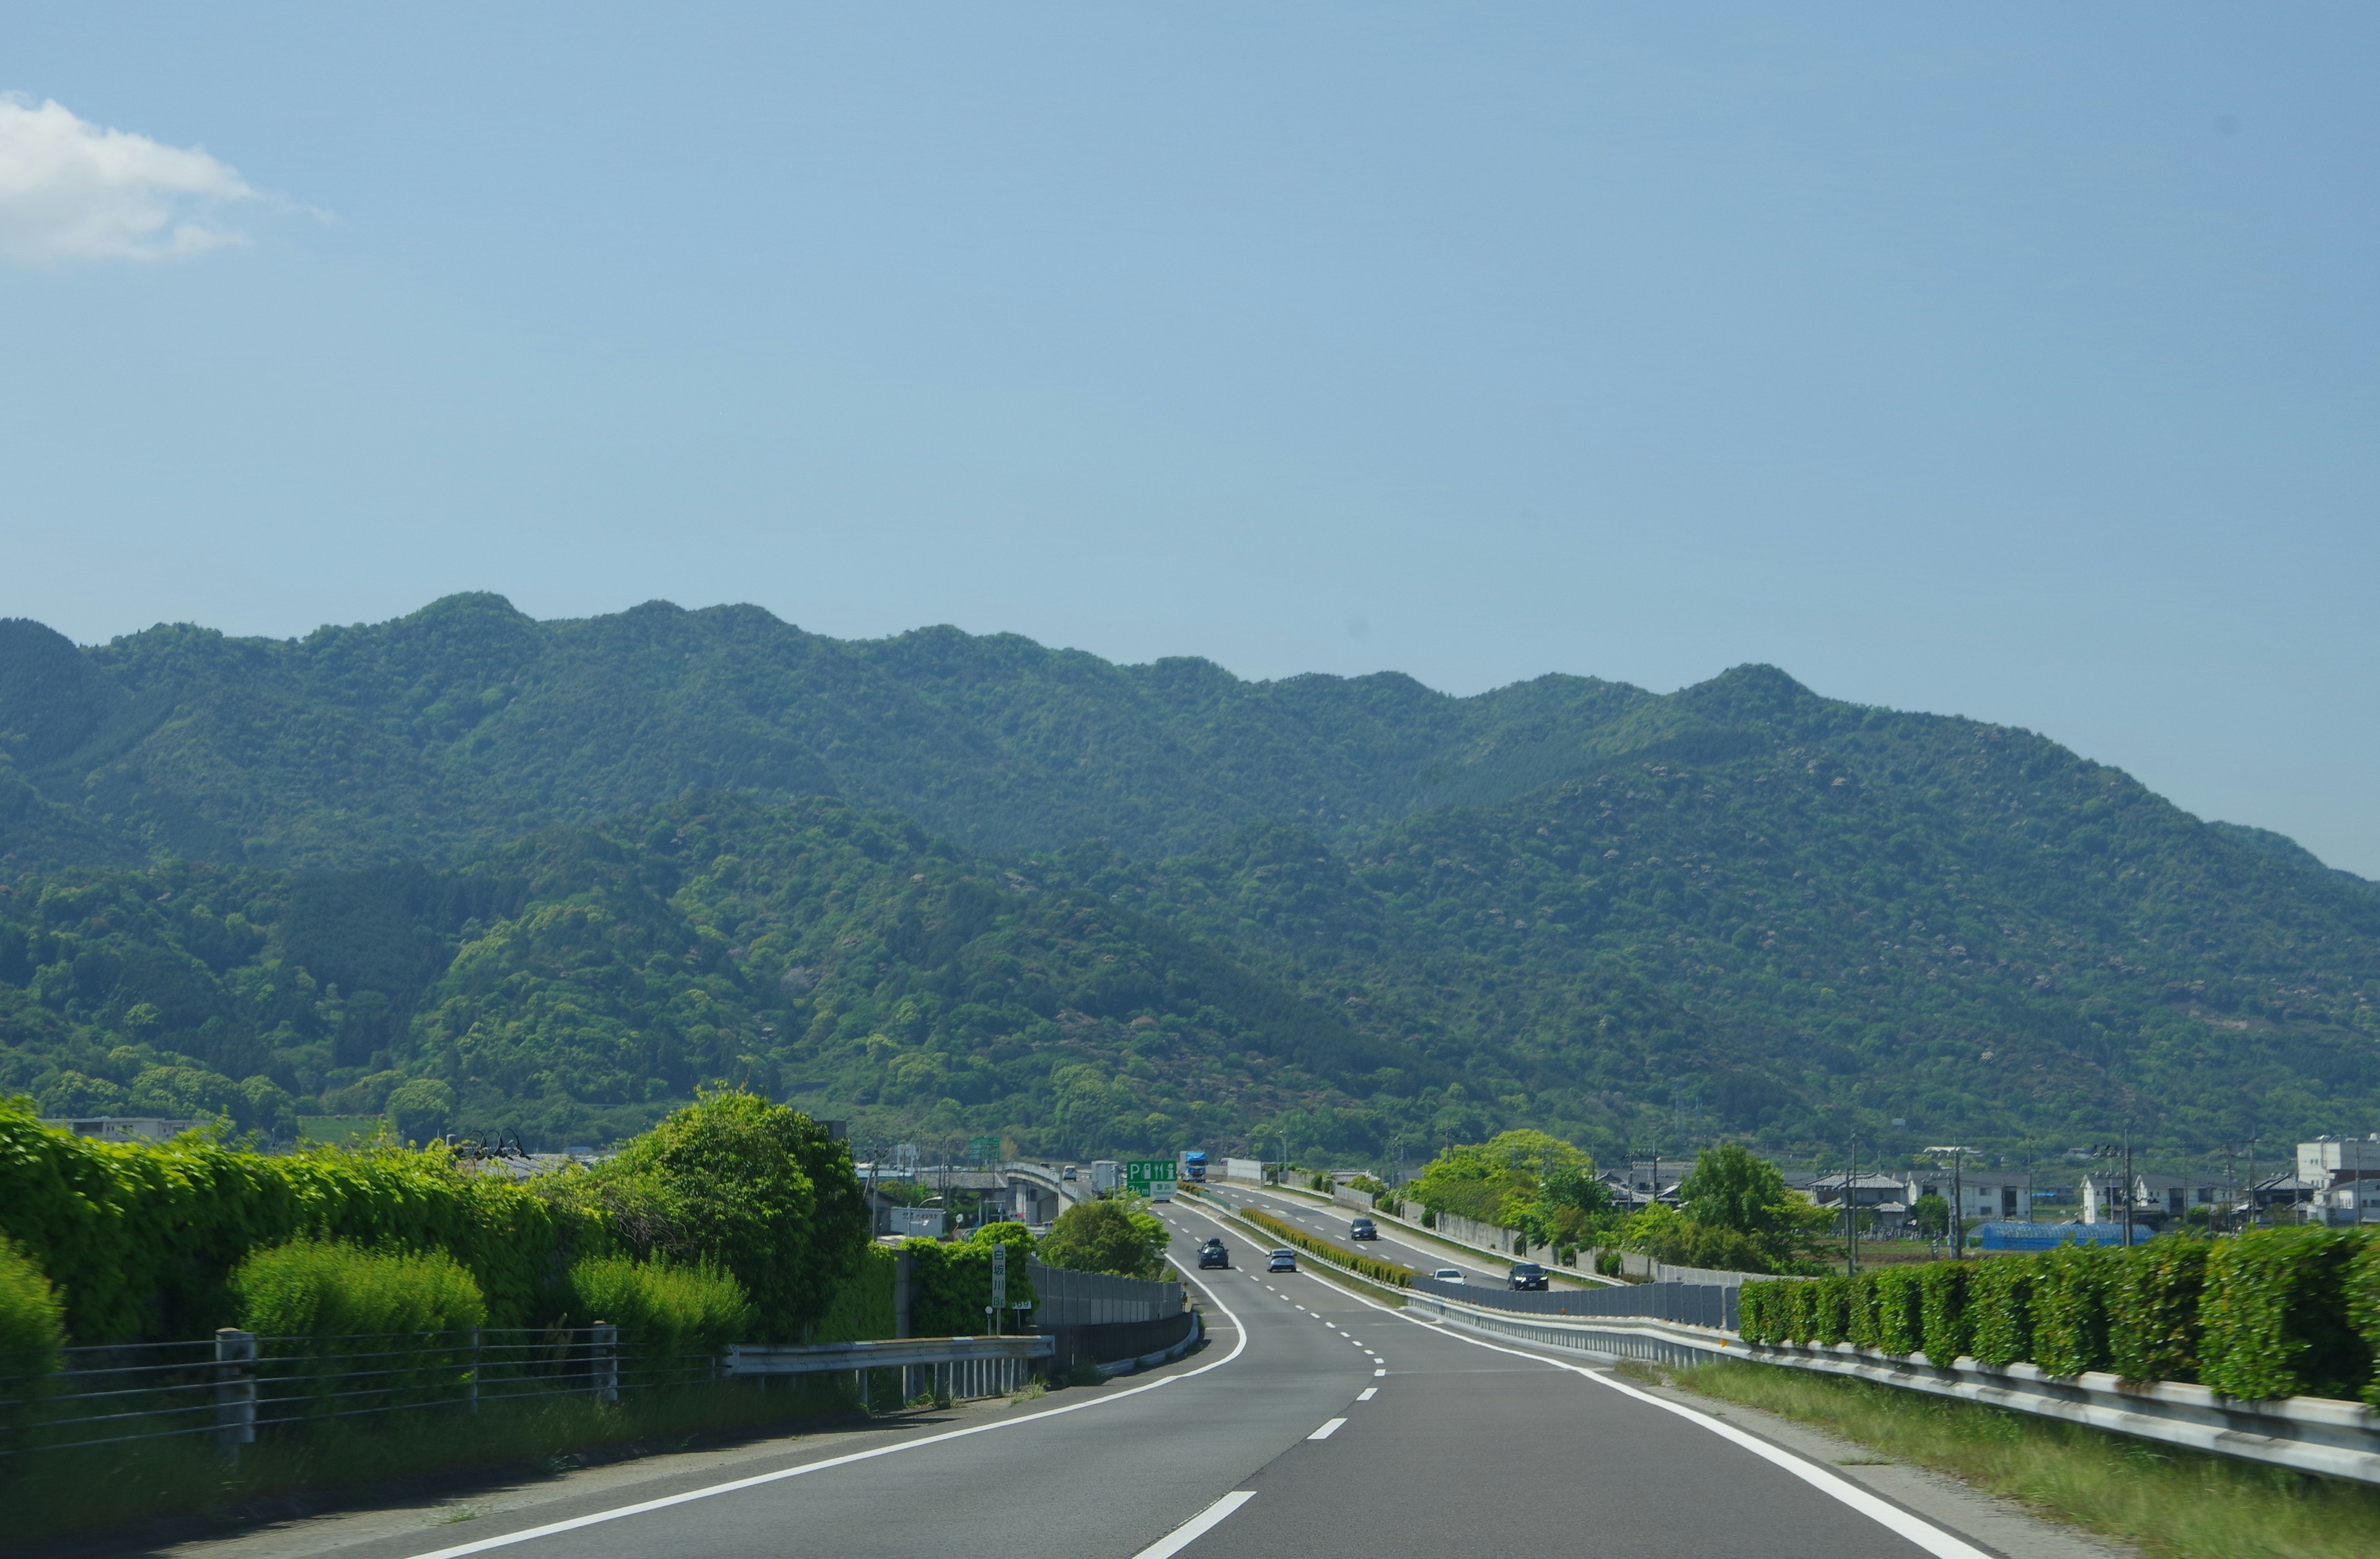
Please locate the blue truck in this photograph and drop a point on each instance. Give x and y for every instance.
(1194, 1164)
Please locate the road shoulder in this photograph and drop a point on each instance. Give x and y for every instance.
(2001, 1524)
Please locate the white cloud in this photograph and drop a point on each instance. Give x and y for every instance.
(70, 189)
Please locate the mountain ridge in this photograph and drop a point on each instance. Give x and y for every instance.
(569, 872)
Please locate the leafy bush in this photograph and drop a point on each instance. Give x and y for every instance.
(1830, 1309)
(1109, 1236)
(1864, 1312)
(755, 1189)
(395, 1314)
(334, 1288)
(1946, 1327)
(1900, 1313)
(2154, 1312)
(1759, 1312)
(2363, 1307)
(33, 1321)
(2070, 1309)
(2000, 1298)
(661, 1309)
(2276, 1316)
(1799, 1311)
(140, 1238)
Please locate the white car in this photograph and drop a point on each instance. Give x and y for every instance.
(1447, 1274)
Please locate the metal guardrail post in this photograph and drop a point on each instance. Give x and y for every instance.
(235, 1391)
(605, 1368)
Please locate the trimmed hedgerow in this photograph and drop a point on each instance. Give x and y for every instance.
(2070, 1309)
(1863, 1323)
(1999, 1300)
(1900, 1319)
(2364, 1308)
(1389, 1272)
(1756, 1305)
(951, 1284)
(2152, 1310)
(2274, 1317)
(1830, 1319)
(2276, 1313)
(1944, 1324)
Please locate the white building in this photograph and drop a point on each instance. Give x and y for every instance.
(2156, 1197)
(2343, 1178)
(1986, 1195)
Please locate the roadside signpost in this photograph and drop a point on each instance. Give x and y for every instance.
(1152, 1178)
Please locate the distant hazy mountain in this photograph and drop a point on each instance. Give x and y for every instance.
(568, 871)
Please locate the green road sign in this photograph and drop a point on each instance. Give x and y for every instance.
(1140, 1176)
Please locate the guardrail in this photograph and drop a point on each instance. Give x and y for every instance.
(2307, 1434)
(236, 1383)
(1697, 1304)
(958, 1367)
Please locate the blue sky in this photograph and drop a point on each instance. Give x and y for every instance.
(2018, 363)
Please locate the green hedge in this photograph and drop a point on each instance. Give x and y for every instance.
(1387, 1273)
(661, 1308)
(949, 1285)
(140, 1239)
(865, 1308)
(394, 1314)
(33, 1321)
(2278, 1312)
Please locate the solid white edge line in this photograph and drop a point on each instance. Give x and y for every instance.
(1197, 1526)
(1329, 1428)
(620, 1512)
(1934, 1539)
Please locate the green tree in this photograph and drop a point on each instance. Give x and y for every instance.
(1109, 1235)
(421, 1110)
(1734, 1189)
(1931, 1216)
(754, 1187)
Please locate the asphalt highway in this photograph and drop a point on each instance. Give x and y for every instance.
(1312, 1423)
(1394, 1244)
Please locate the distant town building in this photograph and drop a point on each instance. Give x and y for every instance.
(2005, 1194)
(2156, 1198)
(2341, 1175)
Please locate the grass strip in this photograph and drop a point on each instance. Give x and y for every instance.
(2173, 1502)
(49, 1494)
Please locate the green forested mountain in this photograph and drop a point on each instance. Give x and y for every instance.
(555, 876)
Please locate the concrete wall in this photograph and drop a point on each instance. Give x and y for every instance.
(1361, 1200)
(1248, 1170)
(1471, 1232)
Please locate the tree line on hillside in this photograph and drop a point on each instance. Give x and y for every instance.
(1741, 910)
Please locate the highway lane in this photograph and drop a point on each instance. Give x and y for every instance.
(1393, 1245)
(1426, 1440)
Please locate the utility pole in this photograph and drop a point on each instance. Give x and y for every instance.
(1851, 1214)
(1958, 1200)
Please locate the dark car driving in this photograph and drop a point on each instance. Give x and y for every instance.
(1214, 1253)
(1527, 1274)
(1361, 1228)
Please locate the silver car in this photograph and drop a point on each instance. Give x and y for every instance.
(1283, 1261)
